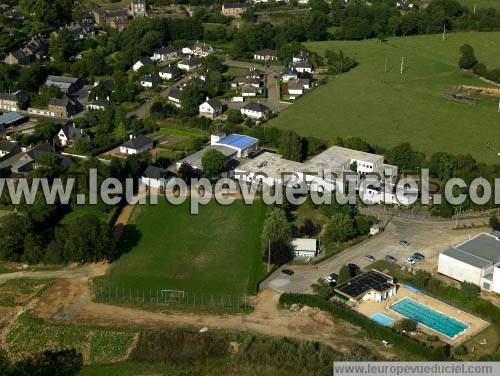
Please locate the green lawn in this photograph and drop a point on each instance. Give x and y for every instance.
(217, 251)
(480, 4)
(389, 108)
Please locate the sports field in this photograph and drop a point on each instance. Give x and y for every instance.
(217, 251)
(386, 108)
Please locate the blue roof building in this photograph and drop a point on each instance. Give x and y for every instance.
(244, 145)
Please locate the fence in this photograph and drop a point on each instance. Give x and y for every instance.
(173, 299)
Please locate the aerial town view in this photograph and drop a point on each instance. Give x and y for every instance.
(264, 187)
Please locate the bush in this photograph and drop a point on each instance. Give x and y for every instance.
(406, 325)
(469, 290)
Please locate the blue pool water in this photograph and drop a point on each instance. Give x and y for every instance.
(382, 319)
(424, 315)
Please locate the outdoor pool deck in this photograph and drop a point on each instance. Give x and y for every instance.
(475, 324)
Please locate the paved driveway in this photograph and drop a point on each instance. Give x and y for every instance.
(428, 238)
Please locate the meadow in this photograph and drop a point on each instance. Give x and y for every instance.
(217, 251)
(376, 102)
(480, 4)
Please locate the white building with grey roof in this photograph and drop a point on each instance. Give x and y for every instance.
(476, 260)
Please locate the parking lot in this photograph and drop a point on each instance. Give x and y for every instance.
(428, 238)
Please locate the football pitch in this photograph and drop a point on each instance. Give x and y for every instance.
(377, 103)
(217, 251)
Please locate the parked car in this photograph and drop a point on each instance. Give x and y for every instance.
(404, 243)
(418, 256)
(287, 271)
(332, 279)
(390, 258)
(353, 269)
(370, 258)
(411, 260)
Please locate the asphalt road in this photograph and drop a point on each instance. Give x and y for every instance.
(428, 238)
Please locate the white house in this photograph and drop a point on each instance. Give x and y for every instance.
(189, 64)
(303, 247)
(170, 72)
(174, 96)
(304, 67)
(249, 91)
(211, 108)
(476, 261)
(150, 80)
(156, 177)
(198, 49)
(165, 53)
(301, 56)
(265, 55)
(289, 73)
(136, 145)
(70, 133)
(255, 110)
(142, 62)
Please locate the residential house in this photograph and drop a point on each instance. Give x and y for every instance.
(138, 8)
(170, 72)
(304, 67)
(98, 104)
(249, 91)
(190, 64)
(114, 18)
(8, 148)
(289, 73)
(156, 177)
(17, 57)
(265, 55)
(81, 31)
(64, 107)
(13, 102)
(199, 49)
(165, 53)
(255, 110)
(211, 108)
(30, 160)
(150, 80)
(174, 95)
(243, 81)
(136, 145)
(234, 9)
(68, 85)
(142, 62)
(70, 133)
(294, 88)
(301, 56)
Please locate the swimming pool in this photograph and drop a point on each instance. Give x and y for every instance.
(382, 319)
(441, 323)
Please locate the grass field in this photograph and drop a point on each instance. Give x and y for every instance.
(217, 251)
(18, 292)
(480, 4)
(389, 108)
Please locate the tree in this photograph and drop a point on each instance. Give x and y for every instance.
(469, 290)
(406, 325)
(467, 58)
(277, 233)
(213, 162)
(86, 239)
(13, 230)
(344, 275)
(340, 228)
(291, 146)
(191, 97)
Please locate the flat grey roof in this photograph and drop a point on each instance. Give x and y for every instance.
(195, 159)
(480, 251)
(273, 165)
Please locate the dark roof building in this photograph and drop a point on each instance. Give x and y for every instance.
(378, 284)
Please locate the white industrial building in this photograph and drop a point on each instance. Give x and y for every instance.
(476, 261)
(305, 247)
(326, 172)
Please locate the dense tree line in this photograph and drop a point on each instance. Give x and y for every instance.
(468, 61)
